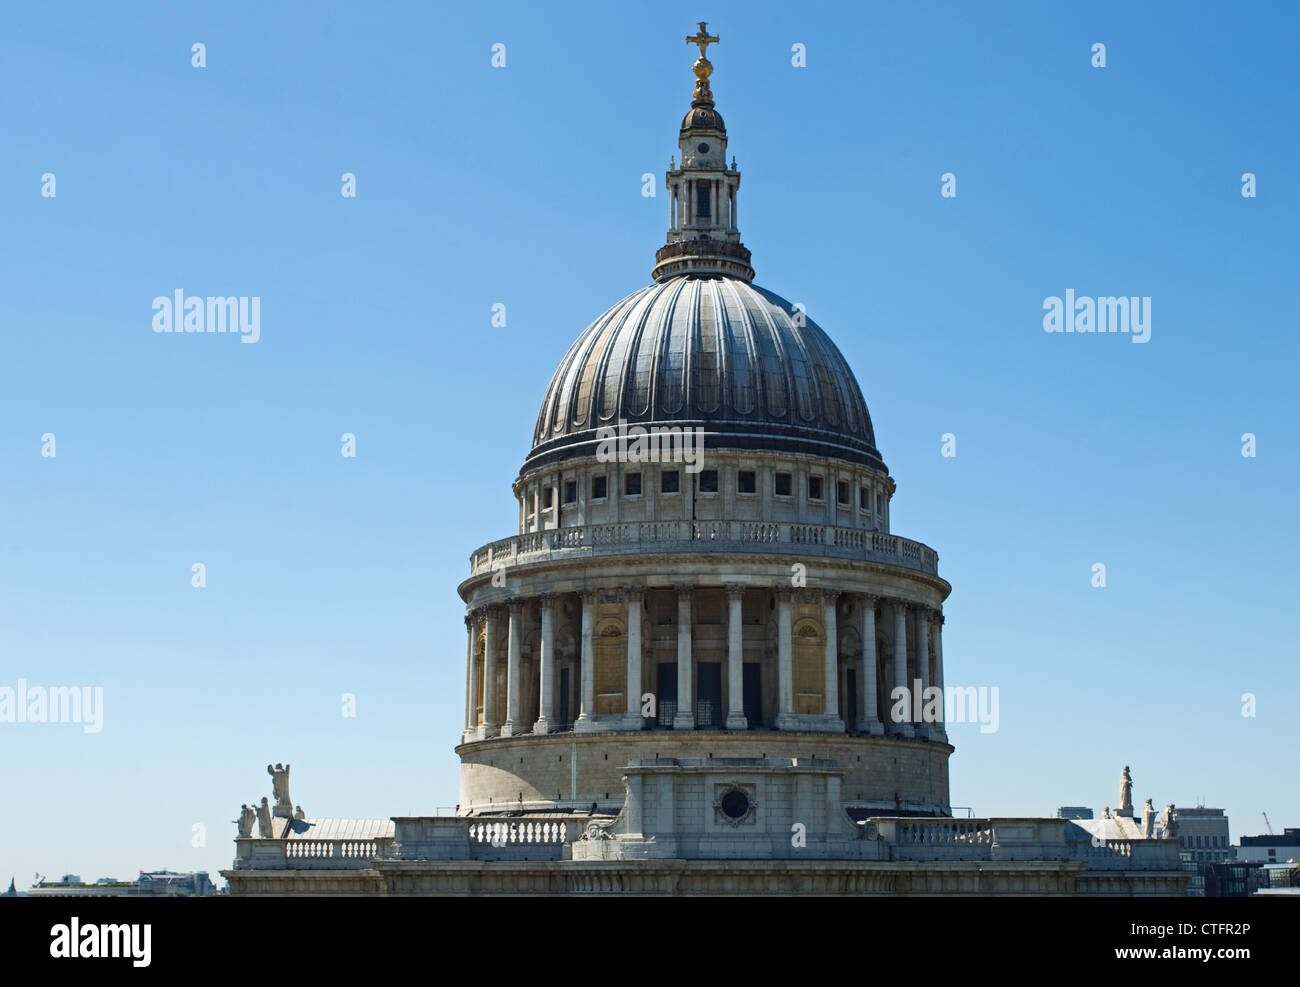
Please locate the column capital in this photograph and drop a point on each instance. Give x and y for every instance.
(684, 590)
(632, 591)
(587, 594)
(515, 604)
(869, 600)
(736, 591)
(784, 592)
(545, 600)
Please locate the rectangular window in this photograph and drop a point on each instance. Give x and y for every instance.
(670, 481)
(632, 484)
(864, 500)
(548, 493)
(783, 484)
(702, 190)
(599, 487)
(814, 488)
(532, 500)
(841, 492)
(570, 491)
(708, 481)
(745, 482)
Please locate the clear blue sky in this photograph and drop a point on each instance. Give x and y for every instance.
(522, 186)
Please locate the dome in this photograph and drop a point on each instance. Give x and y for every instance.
(703, 118)
(711, 352)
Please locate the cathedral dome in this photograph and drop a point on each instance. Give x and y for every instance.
(712, 352)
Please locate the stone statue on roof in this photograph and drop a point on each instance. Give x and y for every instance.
(280, 788)
(245, 821)
(1168, 826)
(264, 829)
(1148, 817)
(1125, 794)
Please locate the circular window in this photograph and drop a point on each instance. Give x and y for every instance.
(702, 148)
(735, 804)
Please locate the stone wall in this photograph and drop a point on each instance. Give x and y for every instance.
(540, 771)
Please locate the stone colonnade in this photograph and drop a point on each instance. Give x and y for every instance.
(485, 625)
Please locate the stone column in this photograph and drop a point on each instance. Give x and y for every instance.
(735, 658)
(490, 626)
(632, 718)
(868, 718)
(546, 666)
(586, 716)
(514, 647)
(903, 728)
(923, 729)
(469, 677)
(784, 660)
(941, 731)
(685, 718)
(831, 663)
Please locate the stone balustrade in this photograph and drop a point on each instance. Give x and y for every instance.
(659, 537)
(336, 852)
(551, 837)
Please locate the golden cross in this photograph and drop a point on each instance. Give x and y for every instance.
(703, 39)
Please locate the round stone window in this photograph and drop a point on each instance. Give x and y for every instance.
(735, 804)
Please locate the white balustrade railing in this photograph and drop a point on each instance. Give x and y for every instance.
(521, 832)
(691, 536)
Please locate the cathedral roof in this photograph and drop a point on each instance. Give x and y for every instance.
(703, 117)
(712, 352)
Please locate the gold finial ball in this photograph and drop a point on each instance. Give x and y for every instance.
(703, 68)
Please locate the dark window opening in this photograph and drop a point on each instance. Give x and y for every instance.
(632, 484)
(783, 484)
(735, 805)
(745, 481)
(814, 488)
(547, 496)
(864, 499)
(841, 492)
(669, 481)
(708, 481)
(599, 488)
(570, 491)
(702, 202)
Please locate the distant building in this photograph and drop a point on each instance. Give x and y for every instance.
(1278, 879)
(1074, 812)
(155, 884)
(12, 892)
(1271, 848)
(1203, 833)
(1230, 879)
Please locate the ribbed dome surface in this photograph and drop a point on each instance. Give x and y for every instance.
(712, 352)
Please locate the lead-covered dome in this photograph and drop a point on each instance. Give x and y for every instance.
(711, 352)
